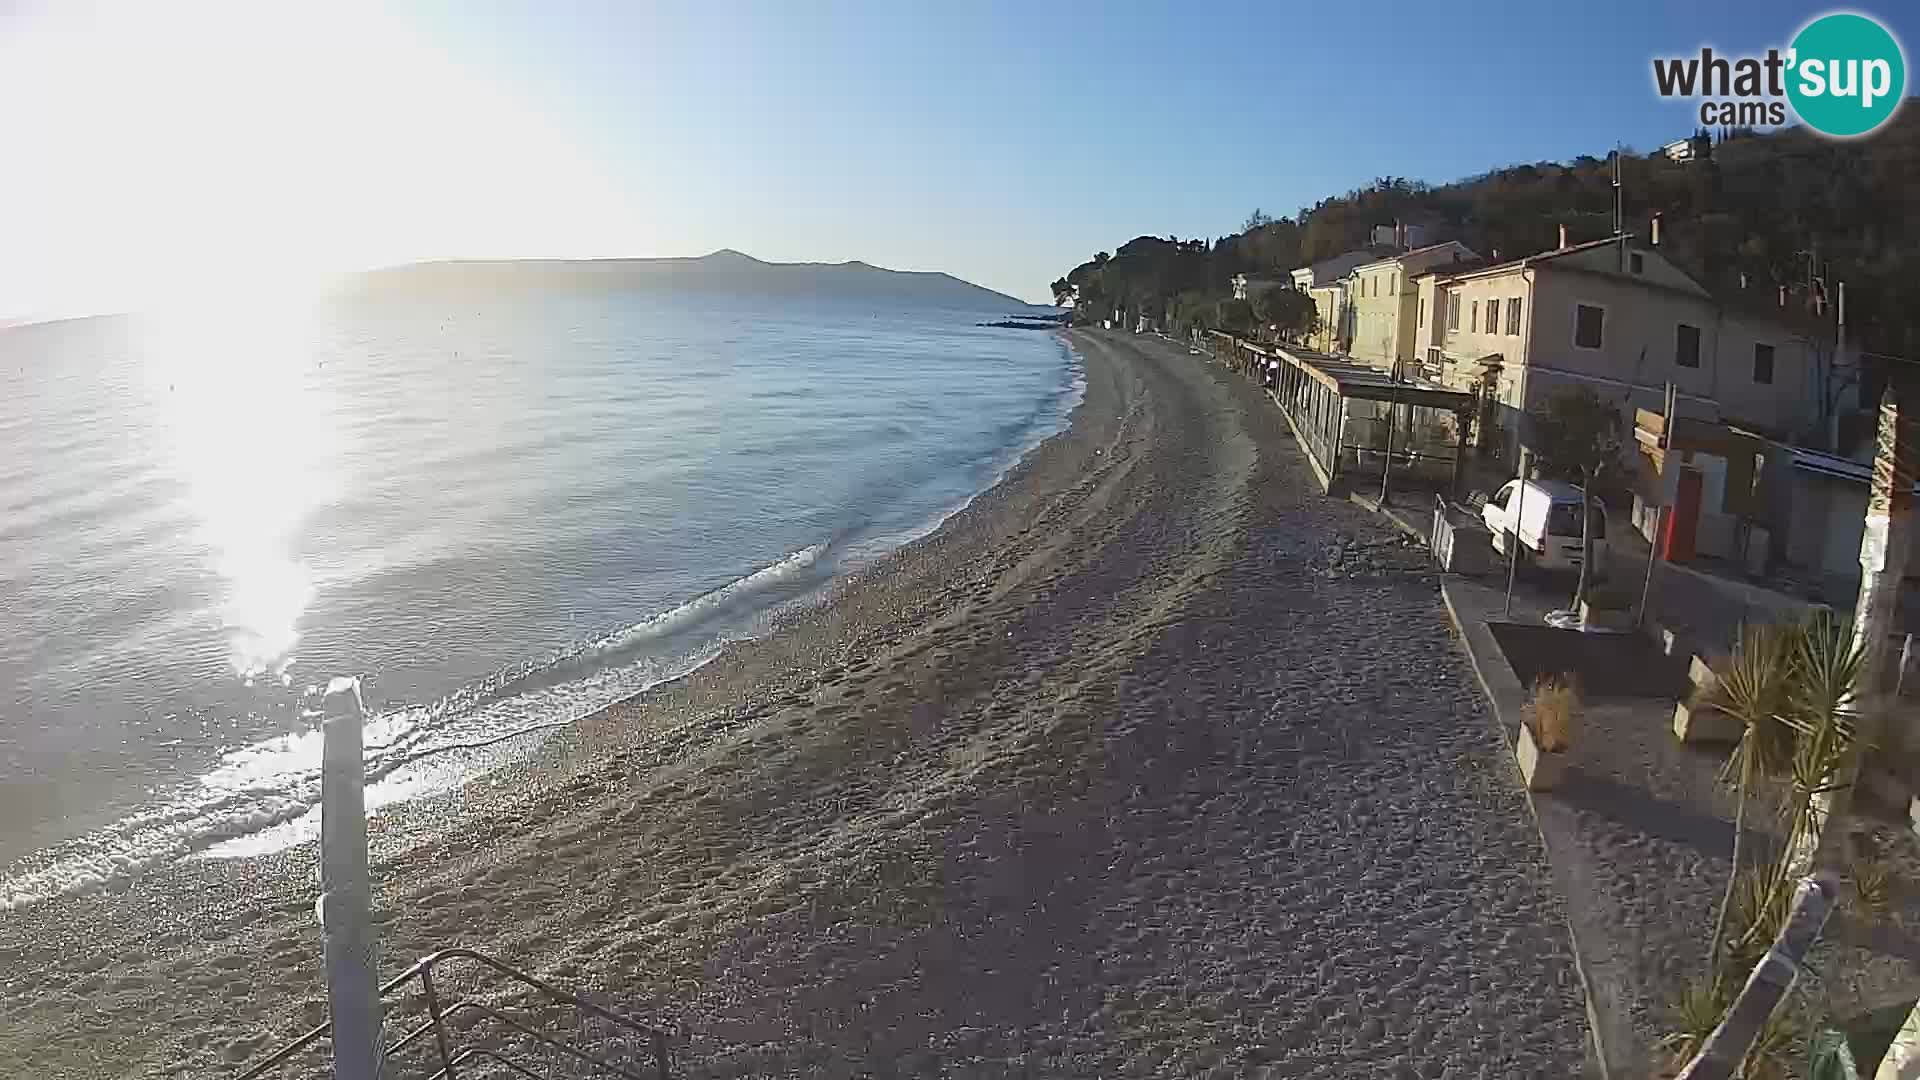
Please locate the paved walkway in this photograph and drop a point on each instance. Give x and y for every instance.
(1640, 834)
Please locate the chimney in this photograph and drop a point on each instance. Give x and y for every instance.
(1563, 238)
(1743, 281)
(1783, 296)
(1654, 231)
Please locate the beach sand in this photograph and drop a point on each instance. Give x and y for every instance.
(1151, 762)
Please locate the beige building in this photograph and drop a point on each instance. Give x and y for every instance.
(1618, 318)
(1381, 309)
(1325, 282)
(1330, 303)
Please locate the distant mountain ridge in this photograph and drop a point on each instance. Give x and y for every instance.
(725, 269)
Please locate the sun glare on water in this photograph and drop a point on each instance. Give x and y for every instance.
(251, 433)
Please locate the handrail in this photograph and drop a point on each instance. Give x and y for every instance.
(422, 969)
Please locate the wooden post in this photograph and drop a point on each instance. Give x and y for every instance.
(346, 897)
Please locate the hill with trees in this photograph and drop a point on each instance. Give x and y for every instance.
(724, 270)
(1784, 208)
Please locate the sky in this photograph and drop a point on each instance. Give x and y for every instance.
(153, 151)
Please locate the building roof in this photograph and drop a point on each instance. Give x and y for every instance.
(1338, 265)
(1427, 250)
(1815, 461)
(1522, 262)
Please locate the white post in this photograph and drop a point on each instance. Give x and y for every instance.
(1884, 544)
(346, 897)
(1513, 534)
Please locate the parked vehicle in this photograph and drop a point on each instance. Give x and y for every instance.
(1549, 526)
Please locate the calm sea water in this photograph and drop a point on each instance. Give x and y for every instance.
(497, 512)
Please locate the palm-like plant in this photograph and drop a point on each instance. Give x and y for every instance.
(1793, 690)
(1752, 687)
(1823, 710)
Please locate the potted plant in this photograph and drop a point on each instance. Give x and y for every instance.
(1546, 734)
(1607, 608)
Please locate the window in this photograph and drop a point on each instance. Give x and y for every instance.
(1513, 317)
(1473, 317)
(1493, 316)
(1563, 519)
(1453, 311)
(1422, 307)
(1763, 364)
(1589, 326)
(1506, 493)
(1686, 346)
(1638, 263)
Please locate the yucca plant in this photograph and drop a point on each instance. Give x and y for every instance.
(1696, 1012)
(1752, 686)
(1792, 688)
(1822, 709)
(1872, 888)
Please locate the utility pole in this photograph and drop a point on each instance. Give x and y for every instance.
(1513, 533)
(1619, 214)
(1660, 510)
(346, 898)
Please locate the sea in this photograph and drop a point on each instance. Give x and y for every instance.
(497, 510)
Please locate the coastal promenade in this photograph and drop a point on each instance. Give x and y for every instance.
(1152, 762)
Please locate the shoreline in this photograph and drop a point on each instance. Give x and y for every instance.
(107, 852)
(1068, 786)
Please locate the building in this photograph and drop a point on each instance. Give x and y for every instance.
(1381, 302)
(1323, 281)
(1696, 147)
(1249, 287)
(1620, 319)
(1329, 271)
(1330, 303)
(1400, 237)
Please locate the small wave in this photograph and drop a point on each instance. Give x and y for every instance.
(264, 797)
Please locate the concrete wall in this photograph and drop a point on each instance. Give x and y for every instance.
(1639, 336)
(1788, 404)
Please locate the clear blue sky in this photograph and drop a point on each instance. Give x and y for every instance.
(1001, 143)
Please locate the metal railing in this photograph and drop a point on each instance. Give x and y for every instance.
(452, 1059)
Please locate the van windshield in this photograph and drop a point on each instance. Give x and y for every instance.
(1563, 519)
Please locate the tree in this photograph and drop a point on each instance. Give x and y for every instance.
(1289, 311)
(1259, 219)
(1234, 316)
(1577, 435)
(1063, 291)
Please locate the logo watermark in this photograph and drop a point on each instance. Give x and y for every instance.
(1843, 75)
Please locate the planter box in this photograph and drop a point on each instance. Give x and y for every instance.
(1705, 725)
(1540, 770)
(1606, 618)
(1701, 673)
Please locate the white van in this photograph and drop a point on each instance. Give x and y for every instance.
(1549, 527)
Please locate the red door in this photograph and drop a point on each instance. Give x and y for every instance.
(1683, 519)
